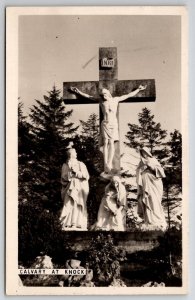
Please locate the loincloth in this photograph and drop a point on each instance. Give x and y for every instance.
(109, 131)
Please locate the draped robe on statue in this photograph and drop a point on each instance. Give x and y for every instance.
(150, 192)
(112, 210)
(75, 190)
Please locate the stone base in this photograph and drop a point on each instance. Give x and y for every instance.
(130, 241)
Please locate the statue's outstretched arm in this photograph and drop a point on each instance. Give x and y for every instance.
(131, 94)
(77, 91)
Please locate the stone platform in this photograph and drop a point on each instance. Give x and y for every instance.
(130, 241)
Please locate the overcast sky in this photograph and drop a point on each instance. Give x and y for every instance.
(54, 49)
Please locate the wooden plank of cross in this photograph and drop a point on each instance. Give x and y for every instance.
(108, 92)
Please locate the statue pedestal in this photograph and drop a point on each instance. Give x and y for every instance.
(129, 241)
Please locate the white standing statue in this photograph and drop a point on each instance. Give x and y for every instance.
(75, 190)
(150, 191)
(112, 210)
(109, 125)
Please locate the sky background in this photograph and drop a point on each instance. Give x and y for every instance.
(56, 49)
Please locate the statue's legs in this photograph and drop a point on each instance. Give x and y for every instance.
(108, 151)
(111, 151)
(105, 153)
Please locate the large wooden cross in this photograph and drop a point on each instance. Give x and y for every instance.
(108, 73)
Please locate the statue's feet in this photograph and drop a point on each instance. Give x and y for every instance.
(106, 169)
(106, 175)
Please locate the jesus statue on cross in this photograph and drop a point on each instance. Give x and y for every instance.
(109, 126)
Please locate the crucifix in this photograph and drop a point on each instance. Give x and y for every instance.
(108, 92)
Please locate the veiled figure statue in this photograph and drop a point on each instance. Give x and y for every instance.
(149, 176)
(74, 192)
(112, 210)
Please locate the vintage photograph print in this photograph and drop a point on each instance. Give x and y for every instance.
(97, 162)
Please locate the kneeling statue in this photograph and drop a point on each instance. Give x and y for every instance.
(112, 210)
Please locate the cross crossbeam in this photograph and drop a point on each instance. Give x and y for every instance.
(116, 87)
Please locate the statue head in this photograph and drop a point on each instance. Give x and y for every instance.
(106, 94)
(116, 181)
(145, 152)
(71, 153)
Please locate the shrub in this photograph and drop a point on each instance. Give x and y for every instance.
(104, 258)
(39, 231)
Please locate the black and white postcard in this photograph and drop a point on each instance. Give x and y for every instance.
(96, 150)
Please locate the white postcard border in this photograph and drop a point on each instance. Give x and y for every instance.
(12, 287)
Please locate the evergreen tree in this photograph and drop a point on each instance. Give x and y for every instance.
(87, 144)
(174, 172)
(90, 128)
(51, 131)
(175, 144)
(23, 133)
(148, 133)
(24, 155)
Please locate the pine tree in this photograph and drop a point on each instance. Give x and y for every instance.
(173, 171)
(24, 155)
(51, 131)
(87, 144)
(175, 144)
(175, 158)
(90, 128)
(23, 132)
(148, 133)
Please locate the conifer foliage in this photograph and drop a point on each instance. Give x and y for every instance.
(148, 133)
(89, 139)
(25, 175)
(51, 132)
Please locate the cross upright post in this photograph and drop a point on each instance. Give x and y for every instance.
(108, 79)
